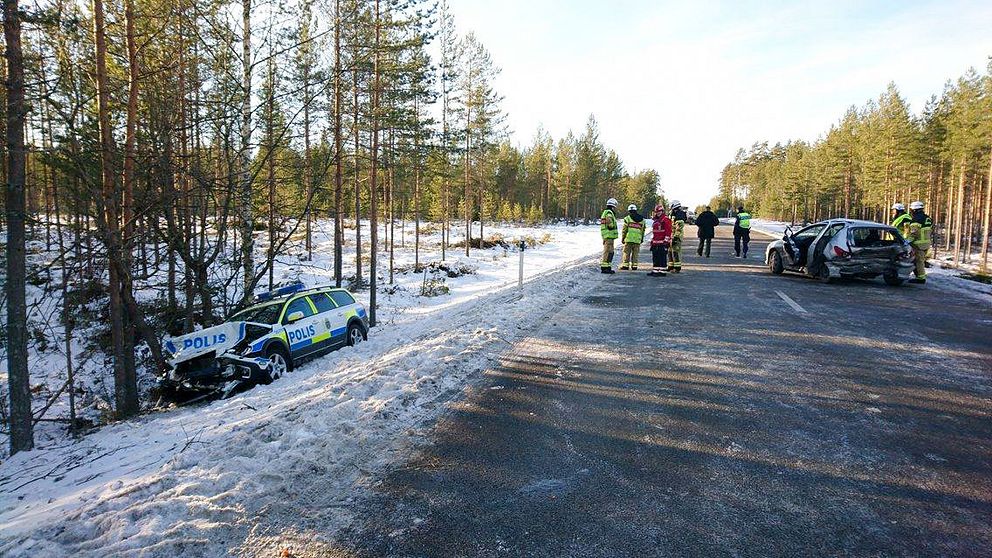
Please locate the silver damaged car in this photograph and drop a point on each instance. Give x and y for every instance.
(840, 248)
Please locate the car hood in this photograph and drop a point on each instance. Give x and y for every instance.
(218, 338)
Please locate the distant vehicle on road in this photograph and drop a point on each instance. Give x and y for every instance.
(839, 248)
(264, 341)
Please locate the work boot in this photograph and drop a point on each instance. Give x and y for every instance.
(917, 281)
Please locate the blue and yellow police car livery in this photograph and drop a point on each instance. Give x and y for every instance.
(265, 340)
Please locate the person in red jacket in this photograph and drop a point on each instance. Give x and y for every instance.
(661, 239)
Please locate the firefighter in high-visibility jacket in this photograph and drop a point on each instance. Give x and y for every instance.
(919, 237)
(900, 219)
(678, 232)
(609, 232)
(632, 236)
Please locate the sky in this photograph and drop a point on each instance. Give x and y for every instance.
(680, 86)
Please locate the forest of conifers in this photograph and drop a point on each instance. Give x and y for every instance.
(162, 141)
(878, 155)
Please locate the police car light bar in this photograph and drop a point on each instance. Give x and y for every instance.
(281, 291)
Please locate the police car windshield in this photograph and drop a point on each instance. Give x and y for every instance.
(265, 314)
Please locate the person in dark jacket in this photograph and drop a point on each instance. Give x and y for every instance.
(706, 222)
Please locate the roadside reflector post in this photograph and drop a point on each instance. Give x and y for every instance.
(520, 281)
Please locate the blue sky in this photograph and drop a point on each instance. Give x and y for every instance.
(679, 86)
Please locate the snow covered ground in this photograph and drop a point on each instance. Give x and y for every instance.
(93, 367)
(244, 474)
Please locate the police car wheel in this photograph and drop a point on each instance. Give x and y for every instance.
(278, 363)
(355, 335)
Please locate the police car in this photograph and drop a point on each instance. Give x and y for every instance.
(264, 341)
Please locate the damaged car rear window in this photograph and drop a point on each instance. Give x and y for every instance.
(874, 237)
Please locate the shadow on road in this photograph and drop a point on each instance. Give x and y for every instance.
(699, 415)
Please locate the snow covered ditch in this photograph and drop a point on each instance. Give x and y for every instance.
(220, 478)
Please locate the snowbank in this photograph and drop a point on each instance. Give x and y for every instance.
(223, 477)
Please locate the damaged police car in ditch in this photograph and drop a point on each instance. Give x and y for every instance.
(264, 341)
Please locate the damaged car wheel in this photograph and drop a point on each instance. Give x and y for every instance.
(824, 274)
(279, 363)
(775, 263)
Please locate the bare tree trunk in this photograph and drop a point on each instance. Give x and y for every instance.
(125, 384)
(416, 191)
(67, 321)
(847, 194)
(245, 209)
(373, 193)
(949, 221)
(357, 134)
(959, 218)
(987, 216)
(391, 178)
(18, 379)
(270, 134)
(338, 226)
(130, 142)
(307, 177)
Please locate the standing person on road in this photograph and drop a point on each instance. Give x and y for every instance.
(678, 232)
(661, 239)
(919, 238)
(742, 232)
(632, 236)
(706, 223)
(900, 219)
(609, 232)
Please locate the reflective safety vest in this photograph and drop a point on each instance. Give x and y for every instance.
(744, 220)
(678, 231)
(919, 232)
(633, 231)
(902, 222)
(608, 225)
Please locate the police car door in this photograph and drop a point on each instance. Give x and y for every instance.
(325, 320)
(300, 333)
(346, 309)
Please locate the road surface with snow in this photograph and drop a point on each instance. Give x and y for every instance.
(723, 411)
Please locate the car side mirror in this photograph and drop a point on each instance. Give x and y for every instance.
(295, 316)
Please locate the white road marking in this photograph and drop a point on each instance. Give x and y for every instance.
(795, 306)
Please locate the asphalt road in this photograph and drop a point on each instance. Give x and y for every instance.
(704, 415)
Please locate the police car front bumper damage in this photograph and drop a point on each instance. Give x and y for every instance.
(213, 358)
(216, 372)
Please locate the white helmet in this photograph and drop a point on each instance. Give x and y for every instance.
(676, 204)
(612, 202)
(916, 205)
(899, 207)
(632, 207)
